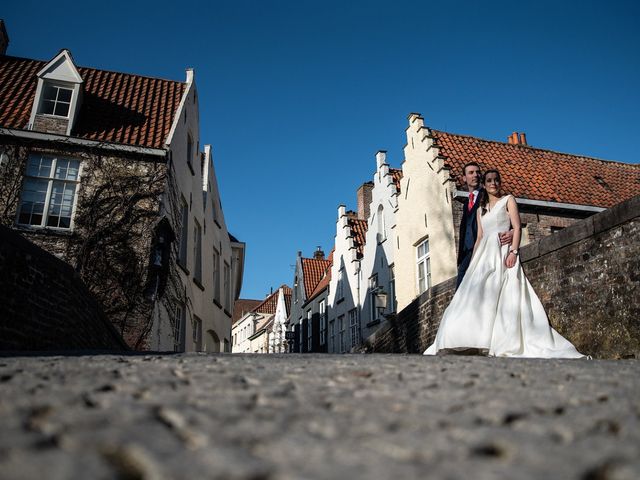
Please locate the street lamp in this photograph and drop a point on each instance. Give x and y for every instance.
(380, 300)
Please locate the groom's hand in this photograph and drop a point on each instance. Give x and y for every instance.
(506, 237)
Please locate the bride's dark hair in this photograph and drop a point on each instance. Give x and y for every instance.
(485, 197)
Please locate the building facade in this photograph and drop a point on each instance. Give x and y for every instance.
(105, 170)
(553, 190)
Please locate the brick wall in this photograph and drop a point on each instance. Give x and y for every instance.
(43, 123)
(43, 303)
(587, 277)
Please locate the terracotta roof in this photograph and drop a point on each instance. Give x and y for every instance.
(313, 270)
(396, 173)
(242, 306)
(324, 281)
(539, 174)
(358, 232)
(270, 303)
(116, 107)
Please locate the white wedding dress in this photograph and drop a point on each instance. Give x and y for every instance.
(495, 308)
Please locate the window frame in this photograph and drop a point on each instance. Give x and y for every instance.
(354, 326)
(197, 251)
(50, 181)
(43, 99)
(426, 259)
(309, 330)
(322, 309)
(183, 252)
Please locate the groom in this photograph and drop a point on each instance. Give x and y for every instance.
(469, 224)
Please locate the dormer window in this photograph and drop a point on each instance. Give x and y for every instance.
(56, 100)
(58, 96)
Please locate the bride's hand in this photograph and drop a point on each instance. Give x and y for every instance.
(510, 260)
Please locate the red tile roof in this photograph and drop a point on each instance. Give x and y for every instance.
(116, 107)
(270, 303)
(313, 269)
(324, 281)
(358, 232)
(243, 306)
(539, 174)
(396, 173)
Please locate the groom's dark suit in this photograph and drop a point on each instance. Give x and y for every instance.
(468, 234)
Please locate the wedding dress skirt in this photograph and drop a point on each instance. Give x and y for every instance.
(495, 308)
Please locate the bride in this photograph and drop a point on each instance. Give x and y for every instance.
(495, 309)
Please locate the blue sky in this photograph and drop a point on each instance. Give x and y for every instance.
(297, 96)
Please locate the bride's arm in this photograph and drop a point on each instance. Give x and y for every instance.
(514, 216)
(480, 232)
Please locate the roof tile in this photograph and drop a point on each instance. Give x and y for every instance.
(116, 107)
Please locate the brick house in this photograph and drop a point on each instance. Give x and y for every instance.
(553, 190)
(104, 170)
(309, 272)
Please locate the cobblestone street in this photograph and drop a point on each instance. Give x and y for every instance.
(317, 416)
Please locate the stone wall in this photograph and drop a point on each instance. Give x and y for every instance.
(115, 224)
(587, 277)
(44, 305)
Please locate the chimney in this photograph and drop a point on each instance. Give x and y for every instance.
(523, 139)
(364, 200)
(4, 38)
(318, 254)
(517, 139)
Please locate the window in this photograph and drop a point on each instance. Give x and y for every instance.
(197, 334)
(309, 332)
(373, 290)
(343, 340)
(190, 152)
(332, 335)
(382, 234)
(392, 289)
(216, 276)
(227, 287)
(178, 330)
(424, 266)
(184, 232)
(56, 100)
(354, 324)
(323, 322)
(49, 192)
(197, 251)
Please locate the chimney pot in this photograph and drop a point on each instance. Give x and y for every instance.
(509, 139)
(364, 200)
(523, 139)
(514, 137)
(318, 254)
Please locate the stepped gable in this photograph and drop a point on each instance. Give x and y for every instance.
(116, 107)
(538, 174)
(313, 270)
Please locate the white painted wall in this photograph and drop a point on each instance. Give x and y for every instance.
(424, 211)
(345, 258)
(198, 186)
(379, 250)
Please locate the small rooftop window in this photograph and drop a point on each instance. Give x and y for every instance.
(56, 100)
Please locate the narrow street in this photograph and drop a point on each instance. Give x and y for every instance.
(317, 416)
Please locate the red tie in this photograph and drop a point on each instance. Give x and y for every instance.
(470, 200)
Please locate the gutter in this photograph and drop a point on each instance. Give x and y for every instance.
(53, 137)
(461, 194)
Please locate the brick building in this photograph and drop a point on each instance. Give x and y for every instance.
(105, 170)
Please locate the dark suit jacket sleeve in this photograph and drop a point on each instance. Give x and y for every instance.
(463, 229)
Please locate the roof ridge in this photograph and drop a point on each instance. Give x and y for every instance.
(531, 147)
(98, 69)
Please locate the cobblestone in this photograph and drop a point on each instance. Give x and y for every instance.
(317, 416)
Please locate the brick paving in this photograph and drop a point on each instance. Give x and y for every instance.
(317, 416)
